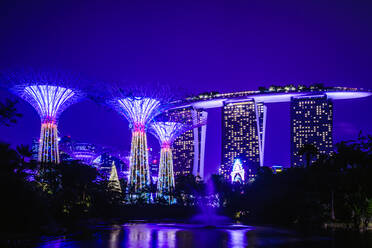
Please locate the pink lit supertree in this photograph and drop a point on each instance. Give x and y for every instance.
(50, 94)
(166, 132)
(139, 106)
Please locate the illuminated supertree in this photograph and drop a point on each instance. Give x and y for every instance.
(166, 133)
(50, 96)
(139, 107)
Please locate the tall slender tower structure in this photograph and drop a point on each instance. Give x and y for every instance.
(166, 133)
(48, 94)
(139, 109)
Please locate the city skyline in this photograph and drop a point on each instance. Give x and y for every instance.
(186, 123)
(225, 47)
(259, 128)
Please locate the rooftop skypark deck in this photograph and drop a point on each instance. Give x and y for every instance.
(273, 94)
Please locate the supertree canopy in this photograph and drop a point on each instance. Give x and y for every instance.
(139, 108)
(139, 111)
(166, 133)
(50, 97)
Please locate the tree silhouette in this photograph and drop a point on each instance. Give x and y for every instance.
(9, 159)
(24, 151)
(8, 113)
(309, 151)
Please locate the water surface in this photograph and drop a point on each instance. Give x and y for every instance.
(166, 235)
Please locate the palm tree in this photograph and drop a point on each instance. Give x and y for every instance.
(24, 151)
(309, 151)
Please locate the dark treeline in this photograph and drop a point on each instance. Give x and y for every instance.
(48, 198)
(42, 198)
(334, 188)
(53, 198)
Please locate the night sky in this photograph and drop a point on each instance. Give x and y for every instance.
(200, 46)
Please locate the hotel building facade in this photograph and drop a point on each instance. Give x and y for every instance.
(311, 123)
(243, 135)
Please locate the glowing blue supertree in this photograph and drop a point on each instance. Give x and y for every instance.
(50, 95)
(139, 107)
(166, 133)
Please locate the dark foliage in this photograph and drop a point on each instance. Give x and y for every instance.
(49, 198)
(8, 113)
(333, 188)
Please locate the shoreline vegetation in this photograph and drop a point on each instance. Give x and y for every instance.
(333, 191)
(327, 191)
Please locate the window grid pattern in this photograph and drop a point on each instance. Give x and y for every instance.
(183, 146)
(240, 136)
(311, 123)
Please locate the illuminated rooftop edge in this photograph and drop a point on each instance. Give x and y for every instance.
(275, 97)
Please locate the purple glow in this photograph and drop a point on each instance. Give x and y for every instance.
(237, 238)
(279, 97)
(48, 100)
(138, 110)
(216, 103)
(167, 132)
(347, 95)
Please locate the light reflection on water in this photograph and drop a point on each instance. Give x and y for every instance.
(176, 236)
(237, 238)
(167, 238)
(114, 236)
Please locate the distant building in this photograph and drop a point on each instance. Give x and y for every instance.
(105, 160)
(311, 123)
(65, 148)
(35, 149)
(189, 148)
(243, 136)
(73, 150)
(84, 152)
(90, 154)
(276, 169)
(251, 175)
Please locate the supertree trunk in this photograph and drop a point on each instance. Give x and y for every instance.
(165, 177)
(167, 132)
(48, 145)
(139, 162)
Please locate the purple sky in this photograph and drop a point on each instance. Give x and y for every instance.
(220, 46)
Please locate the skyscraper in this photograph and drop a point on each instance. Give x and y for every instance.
(311, 123)
(189, 147)
(243, 134)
